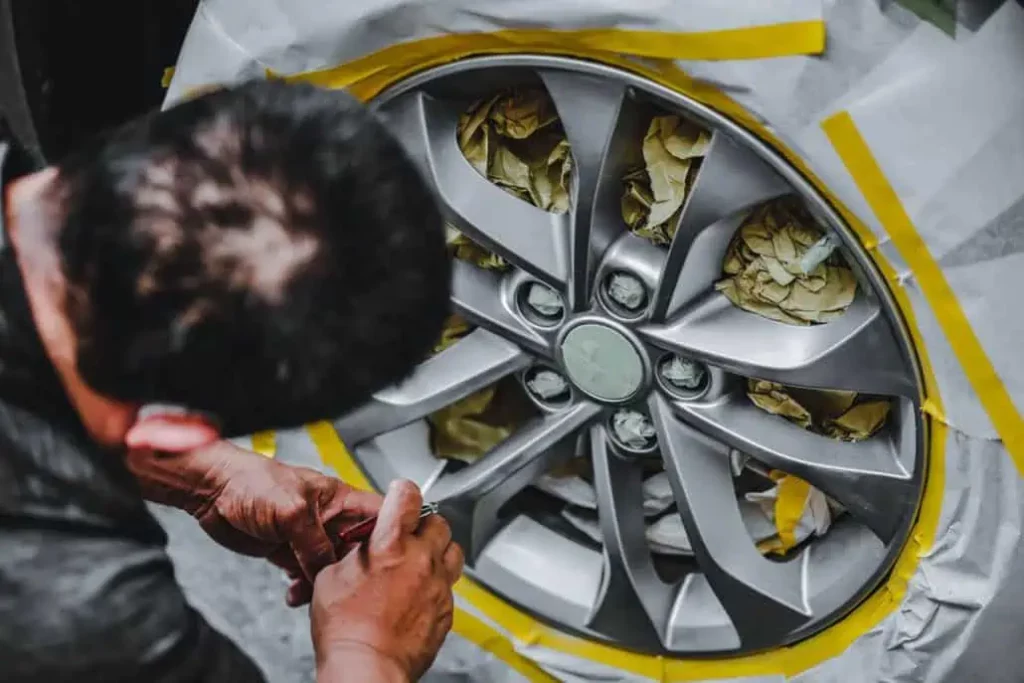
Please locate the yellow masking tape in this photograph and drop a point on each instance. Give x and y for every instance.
(333, 452)
(775, 40)
(883, 200)
(264, 443)
(486, 638)
(371, 75)
(789, 509)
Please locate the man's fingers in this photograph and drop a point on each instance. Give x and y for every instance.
(284, 557)
(441, 626)
(436, 532)
(453, 561)
(447, 612)
(399, 515)
(309, 540)
(343, 505)
(362, 503)
(300, 592)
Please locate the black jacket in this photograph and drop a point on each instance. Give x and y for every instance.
(87, 592)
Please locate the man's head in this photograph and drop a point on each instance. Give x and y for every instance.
(266, 254)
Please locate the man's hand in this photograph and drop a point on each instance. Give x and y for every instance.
(256, 506)
(387, 607)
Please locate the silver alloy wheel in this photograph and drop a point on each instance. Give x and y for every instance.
(730, 598)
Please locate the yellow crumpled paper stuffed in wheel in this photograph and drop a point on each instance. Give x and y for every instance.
(653, 195)
(514, 140)
(779, 266)
(842, 415)
(465, 249)
(470, 427)
(797, 509)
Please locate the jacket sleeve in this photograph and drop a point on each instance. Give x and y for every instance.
(78, 606)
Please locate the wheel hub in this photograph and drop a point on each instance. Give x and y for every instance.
(604, 362)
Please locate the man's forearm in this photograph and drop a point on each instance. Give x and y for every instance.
(187, 481)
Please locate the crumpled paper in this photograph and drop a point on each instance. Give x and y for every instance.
(627, 291)
(633, 429)
(572, 485)
(781, 266)
(468, 428)
(797, 511)
(515, 140)
(653, 195)
(544, 300)
(464, 249)
(842, 415)
(548, 385)
(683, 373)
(779, 518)
(768, 515)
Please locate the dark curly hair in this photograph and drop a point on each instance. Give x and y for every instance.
(266, 253)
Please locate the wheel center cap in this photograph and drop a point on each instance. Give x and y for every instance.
(602, 362)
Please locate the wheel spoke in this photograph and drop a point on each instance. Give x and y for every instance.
(472, 496)
(478, 296)
(731, 179)
(820, 356)
(471, 364)
(865, 477)
(762, 598)
(634, 604)
(589, 109)
(534, 240)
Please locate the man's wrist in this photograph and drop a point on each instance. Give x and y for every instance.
(358, 663)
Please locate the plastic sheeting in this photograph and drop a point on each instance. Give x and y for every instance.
(228, 42)
(918, 134)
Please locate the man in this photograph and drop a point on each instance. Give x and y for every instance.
(257, 257)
